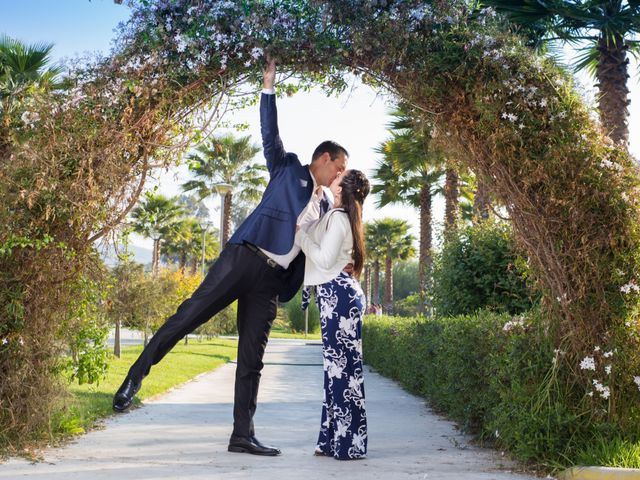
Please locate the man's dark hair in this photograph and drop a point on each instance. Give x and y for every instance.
(334, 149)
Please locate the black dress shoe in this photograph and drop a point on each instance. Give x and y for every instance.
(123, 398)
(251, 445)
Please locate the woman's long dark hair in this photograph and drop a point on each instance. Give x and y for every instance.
(355, 188)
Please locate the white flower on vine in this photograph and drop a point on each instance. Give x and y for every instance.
(256, 53)
(588, 363)
(628, 287)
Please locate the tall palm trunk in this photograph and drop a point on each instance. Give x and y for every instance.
(183, 261)
(366, 283)
(388, 285)
(425, 259)
(228, 198)
(116, 340)
(451, 191)
(612, 74)
(155, 260)
(194, 266)
(481, 201)
(376, 281)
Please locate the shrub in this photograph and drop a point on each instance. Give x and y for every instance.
(500, 377)
(222, 323)
(479, 268)
(296, 314)
(85, 332)
(408, 306)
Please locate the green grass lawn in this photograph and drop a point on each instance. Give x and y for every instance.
(89, 403)
(311, 336)
(282, 329)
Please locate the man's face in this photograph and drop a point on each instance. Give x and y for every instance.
(331, 169)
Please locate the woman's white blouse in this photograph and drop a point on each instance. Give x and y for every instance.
(328, 244)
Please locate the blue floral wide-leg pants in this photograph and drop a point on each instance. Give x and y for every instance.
(343, 431)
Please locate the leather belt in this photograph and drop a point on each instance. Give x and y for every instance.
(270, 261)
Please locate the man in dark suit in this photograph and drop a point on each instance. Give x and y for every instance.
(258, 266)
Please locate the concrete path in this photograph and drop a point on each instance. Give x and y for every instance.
(184, 433)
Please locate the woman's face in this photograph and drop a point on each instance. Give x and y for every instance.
(335, 187)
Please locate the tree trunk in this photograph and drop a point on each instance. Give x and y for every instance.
(612, 74)
(116, 340)
(366, 284)
(194, 266)
(425, 259)
(451, 200)
(183, 261)
(155, 260)
(481, 201)
(228, 198)
(388, 285)
(376, 281)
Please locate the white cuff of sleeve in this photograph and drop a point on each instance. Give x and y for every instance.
(269, 91)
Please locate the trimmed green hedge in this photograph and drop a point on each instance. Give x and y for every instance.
(507, 385)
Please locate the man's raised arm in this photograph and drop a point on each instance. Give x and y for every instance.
(271, 143)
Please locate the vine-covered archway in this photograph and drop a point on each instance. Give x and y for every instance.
(74, 162)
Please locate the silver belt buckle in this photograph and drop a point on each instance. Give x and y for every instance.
(271, 262)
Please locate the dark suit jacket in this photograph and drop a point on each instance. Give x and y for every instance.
(272, 225)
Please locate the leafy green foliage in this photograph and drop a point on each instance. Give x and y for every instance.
(405, 279)
(86, 332)
(477, 268)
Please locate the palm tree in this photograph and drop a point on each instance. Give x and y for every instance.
(607, 27)
(481, 201)
(178, 241)
(23, 65)
(227, 160)
(184, 243)
(408, 173)
(374, 243)
(154, 218)
(397, 244)
(23, 69)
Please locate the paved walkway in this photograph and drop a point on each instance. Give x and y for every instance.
(183, 434)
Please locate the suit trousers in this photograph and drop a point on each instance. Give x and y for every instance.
(238, 274)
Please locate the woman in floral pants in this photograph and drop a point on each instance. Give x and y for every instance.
(334, 247)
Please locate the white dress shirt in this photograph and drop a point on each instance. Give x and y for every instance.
(328, 246)
(309, 214)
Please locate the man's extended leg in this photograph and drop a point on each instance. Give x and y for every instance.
(225, 281)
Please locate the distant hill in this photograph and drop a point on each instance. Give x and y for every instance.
(140, 255)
